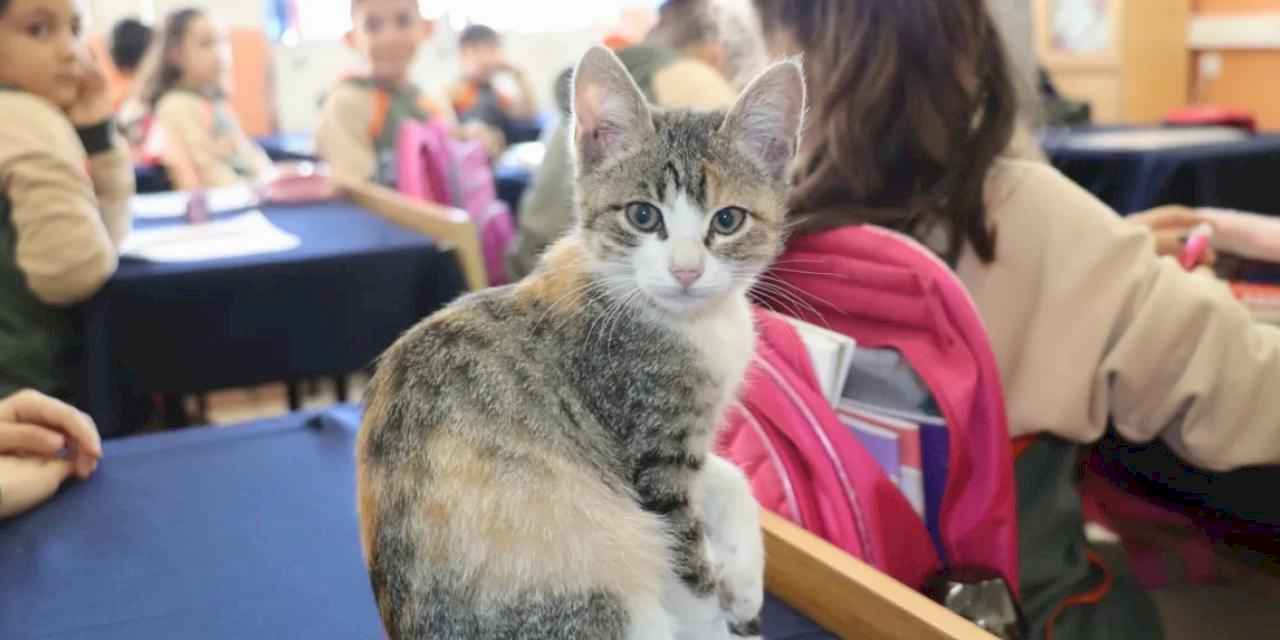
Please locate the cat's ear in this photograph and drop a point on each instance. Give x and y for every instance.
(609, 112)
(765, 123)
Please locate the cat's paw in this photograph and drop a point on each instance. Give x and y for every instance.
(749, 630)
(741, 585)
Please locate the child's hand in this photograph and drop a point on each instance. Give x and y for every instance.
(93, 105)
(27, 482)
(1171, 225)
(33, 424)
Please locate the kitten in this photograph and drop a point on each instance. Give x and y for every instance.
(535, 460)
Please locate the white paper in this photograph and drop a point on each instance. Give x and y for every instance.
(168, 204)
(1153, 139)
(173, 204)
(243, 235)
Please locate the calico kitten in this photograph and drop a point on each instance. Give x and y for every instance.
(535, 460)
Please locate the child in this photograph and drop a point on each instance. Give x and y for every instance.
(197, 135)
(65, 184)
(130, 40)
(911, 113)
(387, 33)
(478, 96)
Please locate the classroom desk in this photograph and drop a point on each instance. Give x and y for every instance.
(328, 307)
(211, 534)
(289, 147)
(1239, 175)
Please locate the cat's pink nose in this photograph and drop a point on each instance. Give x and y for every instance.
(686, 277)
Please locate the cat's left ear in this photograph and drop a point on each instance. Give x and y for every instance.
(765, 123)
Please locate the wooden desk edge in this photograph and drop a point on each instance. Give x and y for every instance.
(848, 597)
(447, 226)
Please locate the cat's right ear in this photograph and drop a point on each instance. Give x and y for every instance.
(609, 112)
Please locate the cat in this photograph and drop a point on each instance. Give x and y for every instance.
(535, 460)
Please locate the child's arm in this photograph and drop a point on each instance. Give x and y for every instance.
(110, 165)
(1096, 327)
(64, 246)
(343, 138)
(194, 158)
(250, 150)
(111, 170)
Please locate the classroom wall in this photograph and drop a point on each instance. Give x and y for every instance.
(1236, 45)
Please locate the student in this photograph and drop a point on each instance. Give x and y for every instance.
(195, 133)
(478, 96)
(65, 184)
(129, 42)
(387, 34)
(43, 442)
(682, 63)
(911, 109)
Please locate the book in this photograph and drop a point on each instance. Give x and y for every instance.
(909, 474)
(831, 354)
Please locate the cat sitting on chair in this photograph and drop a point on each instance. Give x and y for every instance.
(535, 461)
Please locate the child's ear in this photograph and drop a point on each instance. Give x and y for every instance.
(428, 28)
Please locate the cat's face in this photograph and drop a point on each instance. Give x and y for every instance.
(678, 208)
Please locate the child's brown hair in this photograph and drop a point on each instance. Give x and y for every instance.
(159, 75)
(911, 104)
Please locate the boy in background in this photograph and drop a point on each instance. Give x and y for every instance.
(361, 116)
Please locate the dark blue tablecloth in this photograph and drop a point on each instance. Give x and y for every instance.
(286, 147)
(1239, 175)
(210, 534)
(328, 307)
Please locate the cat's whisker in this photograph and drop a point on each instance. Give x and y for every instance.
(626, 307)
(778, 288)
(774, 303)
(799, 294)
(825, 274)
(573, 293)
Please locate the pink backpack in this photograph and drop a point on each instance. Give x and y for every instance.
(432, 165)
(890, 294)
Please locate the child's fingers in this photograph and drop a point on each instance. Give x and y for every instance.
(32, 407)
(30, 439)
(1170, 217)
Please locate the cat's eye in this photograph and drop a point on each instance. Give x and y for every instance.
(644, 217)
(728, 220)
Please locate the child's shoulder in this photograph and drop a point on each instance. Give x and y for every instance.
(182, 103)
(27, 112)
(32, 123)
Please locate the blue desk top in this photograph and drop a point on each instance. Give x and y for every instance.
(327, 307)
(214, 533)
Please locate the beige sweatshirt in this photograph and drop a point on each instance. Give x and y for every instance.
(196, 154)
(344, 138)
(1087, 322)
(70, 212)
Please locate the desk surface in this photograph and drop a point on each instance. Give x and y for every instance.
(215, 533)
(328, 307)
(1236, 174)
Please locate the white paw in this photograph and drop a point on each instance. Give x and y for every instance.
(741, 581)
